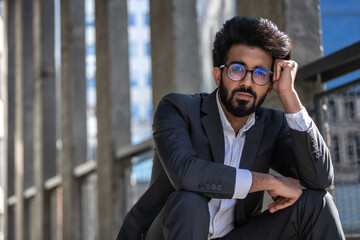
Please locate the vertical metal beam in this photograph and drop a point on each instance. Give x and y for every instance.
(9, 113)
(24, 81)
(73, 113)
(113, 108)
(174, 48)
(44, 104)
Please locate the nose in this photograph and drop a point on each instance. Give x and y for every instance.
(247, 81)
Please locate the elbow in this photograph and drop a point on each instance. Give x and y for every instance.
(326, 182)
(321, 183)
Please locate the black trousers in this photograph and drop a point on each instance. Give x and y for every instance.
(186, 216)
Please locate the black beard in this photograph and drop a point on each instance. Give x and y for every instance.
(240, 109)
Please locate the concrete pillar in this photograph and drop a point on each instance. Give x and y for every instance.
(174, 48)
(273, 10)
(303, 27)
(113, 110)
(44, 104)
(9, 114)
(301, 21)
(73, 115)
(24, 85)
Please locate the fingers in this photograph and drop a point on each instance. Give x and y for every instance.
(286, 194)
(281, 203)
(286, 66)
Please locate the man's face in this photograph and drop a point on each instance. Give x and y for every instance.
(242, 98)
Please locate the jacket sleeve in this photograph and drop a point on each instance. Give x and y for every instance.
(309, 159)
(313, 158)
(182, 165)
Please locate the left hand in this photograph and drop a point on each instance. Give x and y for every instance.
(284, 76)
(283, 84)
(286, 193)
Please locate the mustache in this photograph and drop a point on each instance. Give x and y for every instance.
(245, 90)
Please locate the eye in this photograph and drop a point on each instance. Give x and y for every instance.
(261, 72)
(237, 68)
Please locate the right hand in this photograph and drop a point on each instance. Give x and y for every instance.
(285, 193)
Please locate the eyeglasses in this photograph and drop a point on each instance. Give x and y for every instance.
(237, 72)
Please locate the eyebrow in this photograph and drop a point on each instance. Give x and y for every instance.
(244, 64)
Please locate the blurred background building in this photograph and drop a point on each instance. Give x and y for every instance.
(79, 80)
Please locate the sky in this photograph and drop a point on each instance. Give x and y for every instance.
(341, 28)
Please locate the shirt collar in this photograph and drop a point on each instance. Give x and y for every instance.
(225, 122)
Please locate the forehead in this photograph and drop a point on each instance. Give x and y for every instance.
(250, 56)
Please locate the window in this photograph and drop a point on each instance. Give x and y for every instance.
(133, 79)
(132, 19)
(349, 110)
(132, 49)
(146, 19)
(357, 145)
(148, 79)
(90, 50)
(331, 111)
(149, 111)
(354, 149)
(335, 149)
(147, 49)
(135, 111)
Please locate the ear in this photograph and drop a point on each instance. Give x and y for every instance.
(217, 75)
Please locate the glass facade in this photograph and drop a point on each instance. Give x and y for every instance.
(90, 60)
(140, 69)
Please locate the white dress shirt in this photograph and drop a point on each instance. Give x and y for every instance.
(222, 211)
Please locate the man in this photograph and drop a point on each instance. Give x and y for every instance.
(213, 152)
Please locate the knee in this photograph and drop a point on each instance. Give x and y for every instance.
(317, 198)
(187, 200)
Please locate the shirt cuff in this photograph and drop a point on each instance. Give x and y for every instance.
(300, 121)
(243, 183)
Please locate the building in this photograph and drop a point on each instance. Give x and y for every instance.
(340, 114)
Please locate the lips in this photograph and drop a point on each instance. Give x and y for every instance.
(244, 96)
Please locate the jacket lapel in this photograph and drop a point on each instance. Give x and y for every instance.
(213, 128)
(252, 142)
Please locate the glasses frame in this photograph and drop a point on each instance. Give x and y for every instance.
(246, 71)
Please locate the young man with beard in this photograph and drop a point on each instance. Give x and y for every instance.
(213, 152)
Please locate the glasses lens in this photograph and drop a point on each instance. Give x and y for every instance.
(236, 72)
(261, 76)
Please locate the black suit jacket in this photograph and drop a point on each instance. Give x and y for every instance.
(189, 155)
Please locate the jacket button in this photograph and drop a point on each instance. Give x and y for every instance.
(213, 187)
(207, 186)
(219, 187)
(201, 185)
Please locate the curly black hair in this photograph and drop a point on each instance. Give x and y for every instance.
(254, 32)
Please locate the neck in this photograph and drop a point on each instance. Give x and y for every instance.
(236, 122)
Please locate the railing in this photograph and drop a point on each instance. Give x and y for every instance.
(338, 118)
(136, 174)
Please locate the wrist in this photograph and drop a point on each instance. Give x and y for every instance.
(288, 92)
(263, 182)
(273, 183)
(290, 101)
